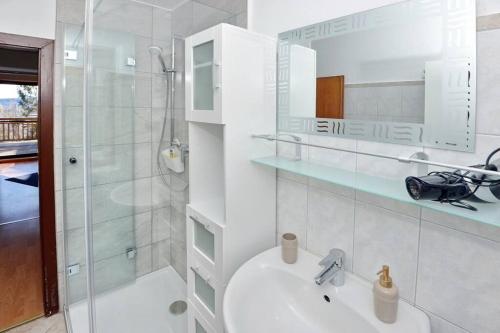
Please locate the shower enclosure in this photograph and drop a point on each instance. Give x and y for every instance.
(124, 217)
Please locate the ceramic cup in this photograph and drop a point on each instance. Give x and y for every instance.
(289, 248)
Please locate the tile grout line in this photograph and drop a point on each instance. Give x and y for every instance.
(418, 256)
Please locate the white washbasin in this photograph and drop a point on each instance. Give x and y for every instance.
(267, 295)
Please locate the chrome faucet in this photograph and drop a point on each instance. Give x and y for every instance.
(333, 268)
(298, 146)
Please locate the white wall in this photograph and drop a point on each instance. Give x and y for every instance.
(273, 17)
(35, 18)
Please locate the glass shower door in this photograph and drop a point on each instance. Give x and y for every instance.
(112, 184)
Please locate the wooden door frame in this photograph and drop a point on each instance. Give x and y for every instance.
(45, 48)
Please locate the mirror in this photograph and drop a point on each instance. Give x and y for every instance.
(403, 73)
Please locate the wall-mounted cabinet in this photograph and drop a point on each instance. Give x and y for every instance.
(230, 94)
(203, 66)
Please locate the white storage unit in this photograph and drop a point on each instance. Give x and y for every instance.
(230, 94)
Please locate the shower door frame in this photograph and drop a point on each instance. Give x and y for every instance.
(45, 49)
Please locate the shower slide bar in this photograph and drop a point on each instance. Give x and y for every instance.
(401, 159)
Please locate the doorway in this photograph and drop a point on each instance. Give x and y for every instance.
(28, 262)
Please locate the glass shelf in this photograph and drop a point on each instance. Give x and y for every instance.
(488, 213)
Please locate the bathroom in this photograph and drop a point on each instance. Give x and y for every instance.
(213, 173)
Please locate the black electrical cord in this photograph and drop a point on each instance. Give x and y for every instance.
(458, 177)
(487, 163)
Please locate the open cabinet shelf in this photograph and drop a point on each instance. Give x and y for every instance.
(488, 213)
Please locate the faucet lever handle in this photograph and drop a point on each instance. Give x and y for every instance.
(334, 256)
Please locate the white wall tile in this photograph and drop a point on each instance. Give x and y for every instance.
(143, 262)
(142, 125)
(394, 205)
(241, 20)
(73, 88)
(333, 158)
(292, 209)
(162, 24)
(439, 325)
(73, 208)
(333, 188)
(160, 254)
(383, 167)
(488, 83)
(142, 55)
(161, 224)
(142, 229)
(293, 177)
(128, 17)
(457, 278)
(383, 237)
(142, 160)
(160, 193)
(182, 20)
(231, 6)
(143, 90)
(330, 223)
(159, 86)
(461, 224)
(204, 16)
(72, 130)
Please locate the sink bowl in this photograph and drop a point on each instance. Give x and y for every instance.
(268, 295)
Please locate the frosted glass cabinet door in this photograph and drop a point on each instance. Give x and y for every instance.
(203, 76)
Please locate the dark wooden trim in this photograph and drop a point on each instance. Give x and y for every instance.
(11, 78)
(45, 48)
(23, 158)
(18, 41)
(46, 171)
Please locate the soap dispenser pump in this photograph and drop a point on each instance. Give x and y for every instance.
(385, 297)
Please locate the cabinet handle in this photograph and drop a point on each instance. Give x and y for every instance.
(198, 221)
(197, 271)
(215, 75)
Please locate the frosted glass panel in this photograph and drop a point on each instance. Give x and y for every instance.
(203, 57)
(204, 240)
(205, 292)
(199, 328)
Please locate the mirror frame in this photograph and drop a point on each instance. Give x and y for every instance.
(458, 98)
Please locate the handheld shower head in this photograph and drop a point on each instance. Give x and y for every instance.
(158, 51)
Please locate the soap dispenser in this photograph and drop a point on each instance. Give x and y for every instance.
(385, 297)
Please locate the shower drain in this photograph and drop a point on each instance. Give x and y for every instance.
(177, 307)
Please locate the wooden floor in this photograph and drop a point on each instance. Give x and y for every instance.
(20, 273)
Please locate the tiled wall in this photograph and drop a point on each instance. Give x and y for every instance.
(447, 266)
(151, 216)
(385, 102)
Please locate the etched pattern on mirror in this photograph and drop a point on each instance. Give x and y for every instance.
(405, 74)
